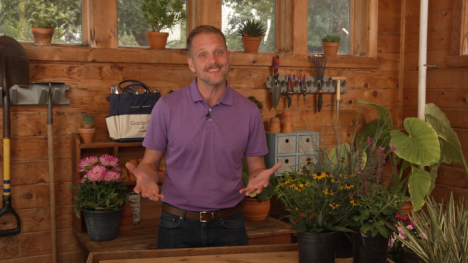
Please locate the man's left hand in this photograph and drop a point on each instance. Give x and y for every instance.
(260, 180)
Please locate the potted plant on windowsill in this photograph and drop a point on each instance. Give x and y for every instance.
(42, 28)
(331, 44)
(256, 207)
(162, 14)
(87, 131)
(252, 32)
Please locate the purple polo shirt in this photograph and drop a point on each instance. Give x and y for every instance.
(204, 158)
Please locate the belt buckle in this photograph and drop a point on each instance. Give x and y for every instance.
(206, 213)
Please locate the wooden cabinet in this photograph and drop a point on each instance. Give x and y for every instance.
(122, 150)
(291, 149)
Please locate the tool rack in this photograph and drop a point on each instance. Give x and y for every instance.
(37, 94)
(311, 83)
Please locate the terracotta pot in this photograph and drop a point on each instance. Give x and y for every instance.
(255, 209)
(157, 40)
(407, 208)
(251, 44)
(42, 36)
(87, 135)
(330, 48)
(275, 125)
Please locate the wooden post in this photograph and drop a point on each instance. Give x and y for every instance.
(207, 12)
(103, 30)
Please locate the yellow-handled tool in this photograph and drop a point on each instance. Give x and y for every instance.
(338, 94)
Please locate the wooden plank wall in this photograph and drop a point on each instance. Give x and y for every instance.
(446, 87)
(91, 73)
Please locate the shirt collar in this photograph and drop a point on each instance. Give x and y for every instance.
(226, 99)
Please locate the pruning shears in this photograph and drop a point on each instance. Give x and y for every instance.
(303, 86)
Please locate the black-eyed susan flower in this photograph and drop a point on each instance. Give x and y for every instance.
(322, 175)
(343, 176)
(343, 160)
(334, 205)
(335, 181)
(309, 162)
(348, 186)
(328, 192)
(355, 202)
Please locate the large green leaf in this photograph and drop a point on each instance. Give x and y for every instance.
(370, 130)
(419, 184)
(433, 172)
(450, 145)
(340, 151)
(421, 145)
(384, 113)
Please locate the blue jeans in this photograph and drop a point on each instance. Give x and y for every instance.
(179, 232)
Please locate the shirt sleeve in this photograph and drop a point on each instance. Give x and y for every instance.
(257, 145)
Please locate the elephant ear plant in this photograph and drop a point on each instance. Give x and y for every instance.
(420, 150)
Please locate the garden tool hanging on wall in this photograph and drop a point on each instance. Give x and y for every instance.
(276, 91)
(319, 62)
(338, 93)
(14, 69)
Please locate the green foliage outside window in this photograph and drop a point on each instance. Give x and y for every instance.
(14, 16)
(328, 17)
(236, 12)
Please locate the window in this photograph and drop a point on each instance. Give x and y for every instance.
(14, 16)
(133, 27)
(328, 17)
(235, 12)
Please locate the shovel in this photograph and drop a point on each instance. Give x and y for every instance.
(14, 65)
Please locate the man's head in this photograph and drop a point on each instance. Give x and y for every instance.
(209, 57)
(203, 29)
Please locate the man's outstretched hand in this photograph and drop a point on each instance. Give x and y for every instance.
(147, 186)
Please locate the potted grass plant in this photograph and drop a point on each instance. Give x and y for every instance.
(159, 15)
(252, 32)
(42, 27)
(331, 44)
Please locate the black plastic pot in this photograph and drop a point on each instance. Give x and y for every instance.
(368, 249)
(315, 247)
(344, 245)
(102, 225)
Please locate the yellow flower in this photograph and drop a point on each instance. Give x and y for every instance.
(343, 160)
(348, 186)
(309, 162)
(343, 176)
(323, 175)
(328, 192)
(315, 176)
(335, 181)
(354, 202)
(351, 175)
(334, 205)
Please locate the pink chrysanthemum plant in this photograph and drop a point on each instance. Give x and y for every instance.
(102, 186)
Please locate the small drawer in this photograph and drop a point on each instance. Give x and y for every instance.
(288, 163)
(287, 144)
(306, 143)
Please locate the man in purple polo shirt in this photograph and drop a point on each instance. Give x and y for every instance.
(205, 130)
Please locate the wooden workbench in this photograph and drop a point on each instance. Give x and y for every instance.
(144, 236)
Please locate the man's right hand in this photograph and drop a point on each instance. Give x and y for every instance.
(145, 185)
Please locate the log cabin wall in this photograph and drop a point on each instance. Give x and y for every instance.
(90, 72)
(446, 79)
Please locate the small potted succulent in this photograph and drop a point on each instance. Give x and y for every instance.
(159, 15)
(42, 28)
(331, 44)
(87, 131)
(252, 32)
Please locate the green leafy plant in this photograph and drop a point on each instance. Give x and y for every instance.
(252, 28)
(41, 21)
(420, 150)
(257, 102)
(87, 120)
(331, 38)
(102, 187)
(267, 191)
(441, 233)
(161, 14)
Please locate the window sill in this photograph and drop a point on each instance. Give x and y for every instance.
(457, 61)
(78, 53)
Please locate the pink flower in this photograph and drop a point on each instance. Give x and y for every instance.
(112, 176)
(393, 148)
(391, 241)
(410, 227)
(109, 160)
(87, 163)
(401, 234)
(96, 174)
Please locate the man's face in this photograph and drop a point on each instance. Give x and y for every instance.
(209, 59)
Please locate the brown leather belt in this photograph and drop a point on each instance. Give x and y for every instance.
(203, 216)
